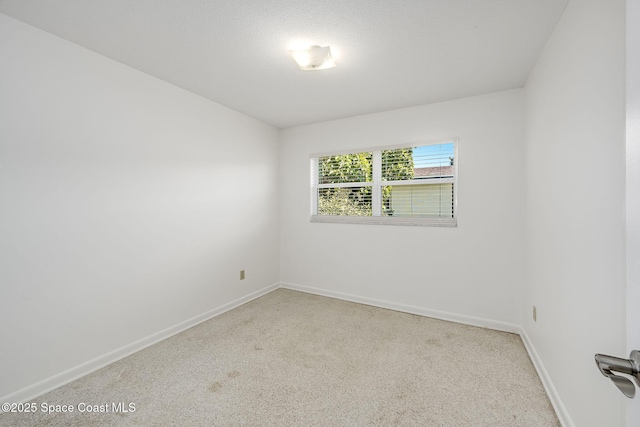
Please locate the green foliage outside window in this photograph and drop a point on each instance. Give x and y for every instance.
(345, 201)
(397, 165)
(356, 167)
(356, 201)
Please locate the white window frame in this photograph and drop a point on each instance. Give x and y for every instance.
(376, 185)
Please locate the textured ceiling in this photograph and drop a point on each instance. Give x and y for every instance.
(390, 53)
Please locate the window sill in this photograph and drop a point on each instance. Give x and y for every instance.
(385, 220)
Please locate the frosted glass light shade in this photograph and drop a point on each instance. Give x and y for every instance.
(313, 58)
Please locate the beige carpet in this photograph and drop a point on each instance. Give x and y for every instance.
(294, 359)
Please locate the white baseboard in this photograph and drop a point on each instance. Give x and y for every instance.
(436, 314)
(554, 397)
(58, 380)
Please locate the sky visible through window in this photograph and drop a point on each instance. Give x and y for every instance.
(433, 155)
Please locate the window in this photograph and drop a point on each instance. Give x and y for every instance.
(406, 185)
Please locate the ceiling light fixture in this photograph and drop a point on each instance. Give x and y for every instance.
(313, 58)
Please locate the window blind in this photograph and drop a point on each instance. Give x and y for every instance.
(411, 185)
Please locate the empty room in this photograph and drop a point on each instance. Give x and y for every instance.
(334, 213)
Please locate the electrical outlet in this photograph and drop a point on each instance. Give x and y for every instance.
(241, 274)
(535, 314)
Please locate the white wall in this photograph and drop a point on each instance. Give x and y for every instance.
(127, 205)
(474, 269)
(575, 180)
